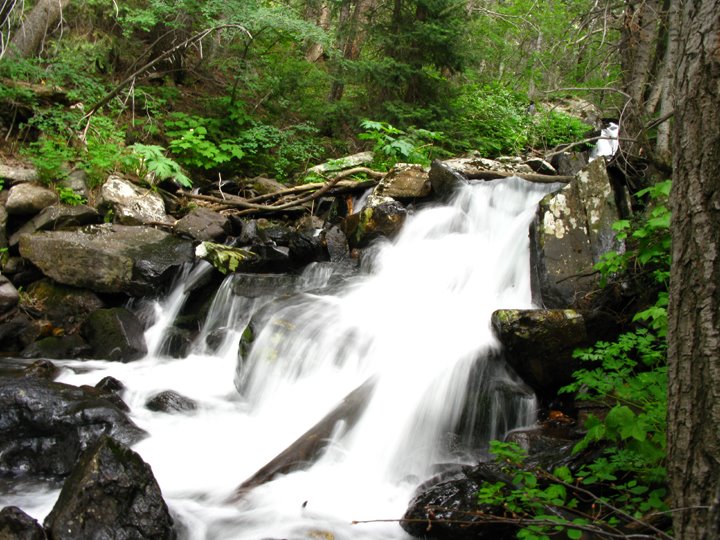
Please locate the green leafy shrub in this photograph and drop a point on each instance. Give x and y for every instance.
(550, 129)
(490, 119)
(68, 196)
(151, 161)
(627, 481)
(392, 145)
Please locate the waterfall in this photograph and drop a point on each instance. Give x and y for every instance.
(417, 324)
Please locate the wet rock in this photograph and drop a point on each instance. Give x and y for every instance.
(111, 493)
(55, 217)
(17, 525)
(3, 227)
(272, 249)
(538, 345)
(336, 243)
(57, 348)
(170, 402)
(115, 334)
(382, 221)
(178, 341)
(43, 369)
(29, 199)
(65, 307)
(444, 179)
(259, 285)
(405, 181)
(110, 384)
(570, 233)
(108, 258)
(131, 204)
(9, 296)
(17, 332)
(203, 224)
(446, 507)
(45, 425)
(569, 164)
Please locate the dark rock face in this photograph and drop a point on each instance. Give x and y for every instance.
(170, 402)
(108, 258)
(115, 334)
(57, 348)
(444, 179)
(17, 525)
(446, 508)
(44, 425)
(111, 493)
(65, 307)
(539, 343)
(373, 222)
(570, 233)
(9, 296)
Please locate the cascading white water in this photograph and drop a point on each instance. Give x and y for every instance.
(418, 325)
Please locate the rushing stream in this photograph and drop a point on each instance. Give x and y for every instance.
(415, 321)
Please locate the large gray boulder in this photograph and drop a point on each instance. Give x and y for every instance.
(108, 258)
(29, 199)
(131, 204)
(570, 233)
(111, 493)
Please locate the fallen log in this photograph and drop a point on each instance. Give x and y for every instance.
(530, 177)
(250, 207)
(308, 447)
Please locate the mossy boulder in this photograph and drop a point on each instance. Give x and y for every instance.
(115, 334)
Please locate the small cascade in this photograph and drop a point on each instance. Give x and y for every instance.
(415, 322)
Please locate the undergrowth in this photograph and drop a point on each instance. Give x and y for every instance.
(623, 487)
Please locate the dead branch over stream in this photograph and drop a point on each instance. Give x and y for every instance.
(285, 199)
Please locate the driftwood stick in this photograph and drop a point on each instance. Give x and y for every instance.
(540, 178)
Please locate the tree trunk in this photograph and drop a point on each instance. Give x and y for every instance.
(694, 310)
(667, 83)
(321, 15)
(352, 36)
(44, 16)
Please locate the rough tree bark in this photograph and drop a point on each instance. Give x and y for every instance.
(694, 310)
(43, 17)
